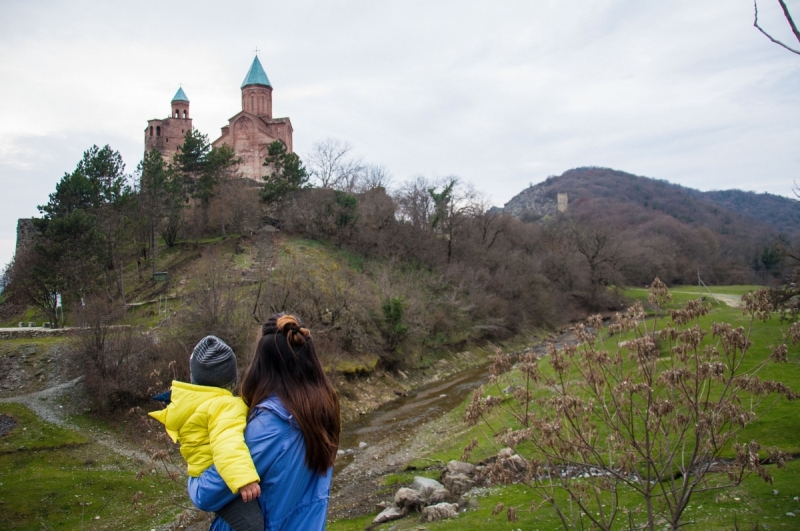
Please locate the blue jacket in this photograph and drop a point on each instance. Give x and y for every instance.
(292, 496)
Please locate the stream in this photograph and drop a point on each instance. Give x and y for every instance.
(399, 419)
(390, 434)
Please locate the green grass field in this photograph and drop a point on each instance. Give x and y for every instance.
(55, 478)
(751, 505)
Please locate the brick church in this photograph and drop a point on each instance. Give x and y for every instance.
(249, 132)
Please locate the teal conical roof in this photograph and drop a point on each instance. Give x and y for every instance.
(181, 96)
(256, 75)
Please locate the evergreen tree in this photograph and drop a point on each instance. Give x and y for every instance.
(288, 173)
(201, 168)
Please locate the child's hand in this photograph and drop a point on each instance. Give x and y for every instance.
(251, 491)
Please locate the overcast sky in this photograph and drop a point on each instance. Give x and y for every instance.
(500, 93)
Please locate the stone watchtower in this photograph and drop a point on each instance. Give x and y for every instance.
(253, 129)
(166, 135)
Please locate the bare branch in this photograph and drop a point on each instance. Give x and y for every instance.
(788, 18)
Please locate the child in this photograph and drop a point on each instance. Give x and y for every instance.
(209, 422)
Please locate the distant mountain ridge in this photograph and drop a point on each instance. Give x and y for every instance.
(715, 209)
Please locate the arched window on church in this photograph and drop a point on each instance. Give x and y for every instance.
(158, 130)
(151, 130)
(252, 105)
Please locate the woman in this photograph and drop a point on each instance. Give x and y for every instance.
(292, 432)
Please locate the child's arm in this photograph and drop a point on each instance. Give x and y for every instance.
(227, 420)
(251, 491)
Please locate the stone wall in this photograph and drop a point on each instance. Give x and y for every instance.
(28, 333)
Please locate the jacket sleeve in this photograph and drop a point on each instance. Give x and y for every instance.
(227, 421)
(209, 491)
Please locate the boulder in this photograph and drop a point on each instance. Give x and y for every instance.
(439, 496)
(516, 464)
(458, 484)
(505, 453)
(440, 511)
(425, 486)
(460, 467)
(512, 461)
(409, 499)
(390, 513)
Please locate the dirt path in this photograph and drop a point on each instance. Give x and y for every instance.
(731, 300)
(49, 404)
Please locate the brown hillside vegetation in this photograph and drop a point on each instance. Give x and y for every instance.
(779, 212)
(388, 277)
(664, 229)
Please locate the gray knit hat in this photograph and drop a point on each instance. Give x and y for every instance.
(213, 363)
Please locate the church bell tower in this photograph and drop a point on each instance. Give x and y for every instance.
(257, 91)
(180, 105)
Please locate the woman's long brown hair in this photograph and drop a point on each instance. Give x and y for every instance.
(285, 364)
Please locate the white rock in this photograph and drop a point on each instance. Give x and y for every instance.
(390, 513)
(458, 484)
(425, 486)
(440, 511)
(439, 496)
(460, 467)
(409, 499)
(362, 445)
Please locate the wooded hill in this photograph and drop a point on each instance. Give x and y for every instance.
(731, 236)
(388, 274)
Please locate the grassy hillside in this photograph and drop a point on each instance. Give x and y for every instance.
(753, 504)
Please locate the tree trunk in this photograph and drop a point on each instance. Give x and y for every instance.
(121, 282)
(154, 248)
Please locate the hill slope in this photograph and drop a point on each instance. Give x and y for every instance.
(779, 212)
(714, 209)
(674, 229)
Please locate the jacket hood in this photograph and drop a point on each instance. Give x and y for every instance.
(274, 405)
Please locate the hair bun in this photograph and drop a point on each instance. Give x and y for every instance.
(296, 333)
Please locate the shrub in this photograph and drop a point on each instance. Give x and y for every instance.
(599, 421)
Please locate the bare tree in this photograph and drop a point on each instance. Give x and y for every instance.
(415, 204)
(237, 205)
(454, 206)
(331, 165)
(601, 252)
(789, 19)
(370, 177)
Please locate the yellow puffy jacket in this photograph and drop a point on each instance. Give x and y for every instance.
(209, 423)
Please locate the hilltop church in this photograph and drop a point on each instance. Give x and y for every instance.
(249, 132)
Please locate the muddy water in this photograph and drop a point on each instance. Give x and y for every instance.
(397, 420)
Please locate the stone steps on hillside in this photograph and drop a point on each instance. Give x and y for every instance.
(264, 259)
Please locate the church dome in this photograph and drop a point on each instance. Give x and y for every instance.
(256, 75)
(181, 96)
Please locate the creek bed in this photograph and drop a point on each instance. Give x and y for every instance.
(398, 420)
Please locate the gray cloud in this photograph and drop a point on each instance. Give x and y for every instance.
(500, 93)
